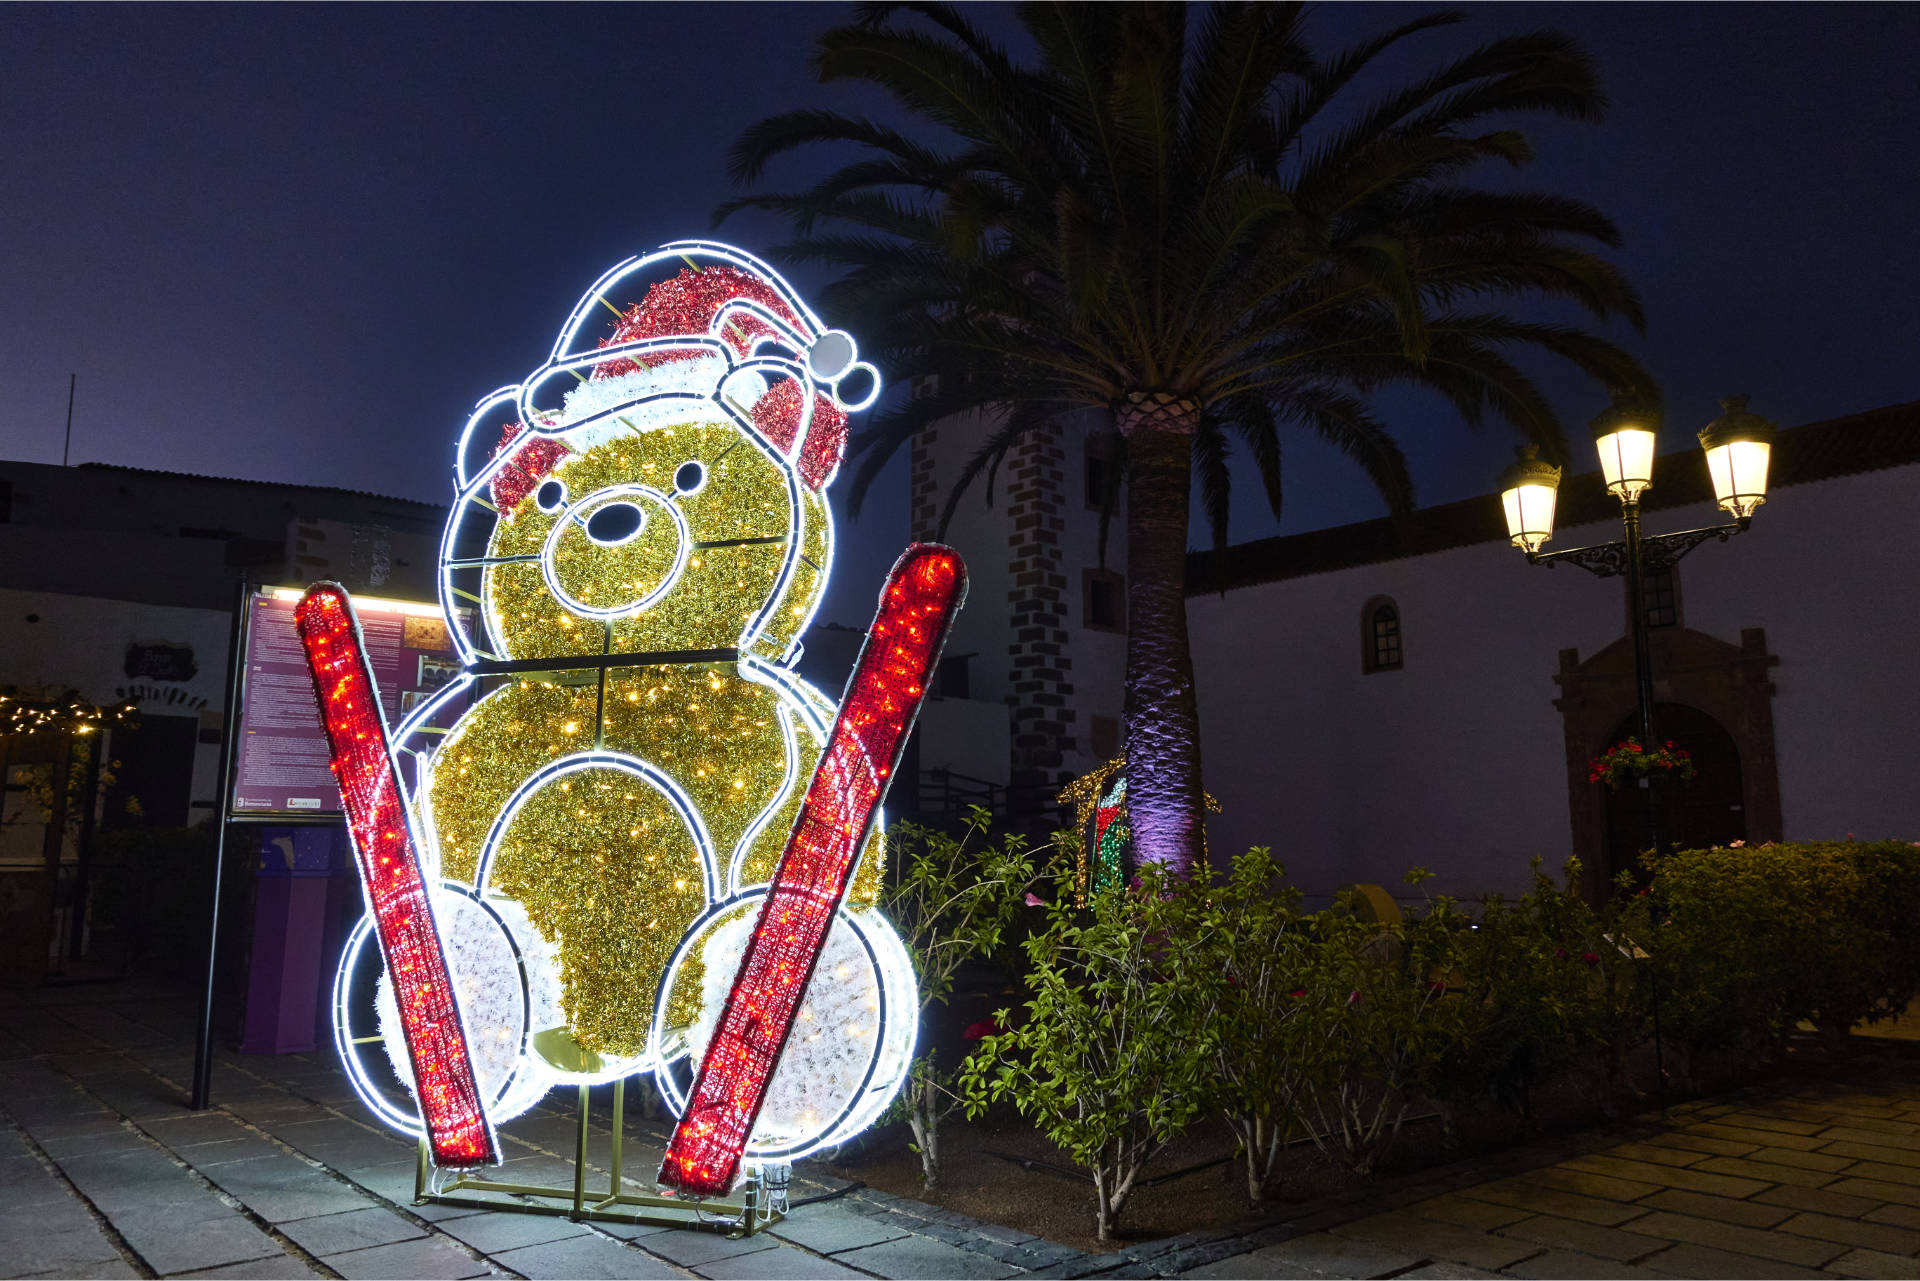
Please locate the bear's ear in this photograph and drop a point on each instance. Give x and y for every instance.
(816, 452)
(528, 463)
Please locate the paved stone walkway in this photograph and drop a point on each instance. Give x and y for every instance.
(105, 1173)
(1809, 1182)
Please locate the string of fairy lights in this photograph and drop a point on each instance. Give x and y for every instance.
(70, 715)
(1099, 799)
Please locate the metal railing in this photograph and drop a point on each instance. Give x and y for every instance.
(944, 798)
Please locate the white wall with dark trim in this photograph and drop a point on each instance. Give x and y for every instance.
(1456, 761)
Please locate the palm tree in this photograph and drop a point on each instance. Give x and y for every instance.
(1179, 218)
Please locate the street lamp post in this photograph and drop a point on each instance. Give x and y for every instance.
(1737, 445)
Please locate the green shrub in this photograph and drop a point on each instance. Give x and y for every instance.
(1166, 1000)
(952, 900)
(1754, 941)
(1254, 955)
(1376, 1024)
(1113, 1059)
(1547, 985)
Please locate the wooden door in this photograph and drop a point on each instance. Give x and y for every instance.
(1708, 811)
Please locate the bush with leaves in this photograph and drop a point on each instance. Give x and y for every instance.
(952, 900)
(1616, 1015)
(1519, 987)
(1547, 985)
(1115, 1056)
(1754, 941)
(1254, 954)
(1889, 906)
(1374, 1025)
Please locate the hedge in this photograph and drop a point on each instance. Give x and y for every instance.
(1165, 1002)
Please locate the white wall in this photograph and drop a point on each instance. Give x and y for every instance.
(1829, 570)
(979, 534)
(984, 628)
(1456, 762)
(80, 642)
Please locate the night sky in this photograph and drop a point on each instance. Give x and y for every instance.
(296, 244)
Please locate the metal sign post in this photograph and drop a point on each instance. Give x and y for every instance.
(229, 732)
(251, 804)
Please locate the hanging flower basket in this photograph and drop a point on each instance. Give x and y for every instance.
(1629, 760)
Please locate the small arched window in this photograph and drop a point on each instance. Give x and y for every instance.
(1380, 639)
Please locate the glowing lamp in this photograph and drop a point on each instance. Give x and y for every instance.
(1527, 491)
(1624, 435)
(1739, 445)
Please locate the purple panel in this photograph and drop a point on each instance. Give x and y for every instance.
(284, 981)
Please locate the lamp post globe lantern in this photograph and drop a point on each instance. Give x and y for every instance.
(1739, 447)
(1624, 436)
(1527, 492)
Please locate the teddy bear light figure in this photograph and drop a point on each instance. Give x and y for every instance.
(640, 538)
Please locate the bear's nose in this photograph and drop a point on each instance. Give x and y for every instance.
(616, 523)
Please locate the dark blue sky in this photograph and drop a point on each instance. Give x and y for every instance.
(295, 244)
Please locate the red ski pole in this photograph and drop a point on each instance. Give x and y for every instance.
(889, 682)
(397, 893)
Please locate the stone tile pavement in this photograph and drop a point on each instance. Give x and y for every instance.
(1807, 1180)
(105, 1173)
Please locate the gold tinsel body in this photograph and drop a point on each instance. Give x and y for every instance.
(740, 523)
(603, 862)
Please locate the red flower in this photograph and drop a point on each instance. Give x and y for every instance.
(1297, 993)
(981, 1030)
(1590, 958)
(1559, 953)
(1437, 986)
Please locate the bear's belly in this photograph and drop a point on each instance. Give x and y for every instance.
(615, 846)
(609, 866)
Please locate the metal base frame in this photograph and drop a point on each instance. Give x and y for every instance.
(742, 1216)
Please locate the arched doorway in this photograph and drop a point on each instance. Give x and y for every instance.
(1708, 811)
(1696, 678)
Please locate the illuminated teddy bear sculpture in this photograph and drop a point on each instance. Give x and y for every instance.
(632, 560)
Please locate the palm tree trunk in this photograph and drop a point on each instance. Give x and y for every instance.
(1164, 796)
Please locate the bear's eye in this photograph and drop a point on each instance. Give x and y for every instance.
(689, 478)
(551, 497)
(615, 523)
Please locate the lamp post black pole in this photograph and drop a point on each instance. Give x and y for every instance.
(1642, 660)
(1737, 488)
(1643, 692)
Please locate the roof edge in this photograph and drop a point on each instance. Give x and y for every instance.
(1873, 440)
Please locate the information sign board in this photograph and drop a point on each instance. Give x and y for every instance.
(282, 750)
